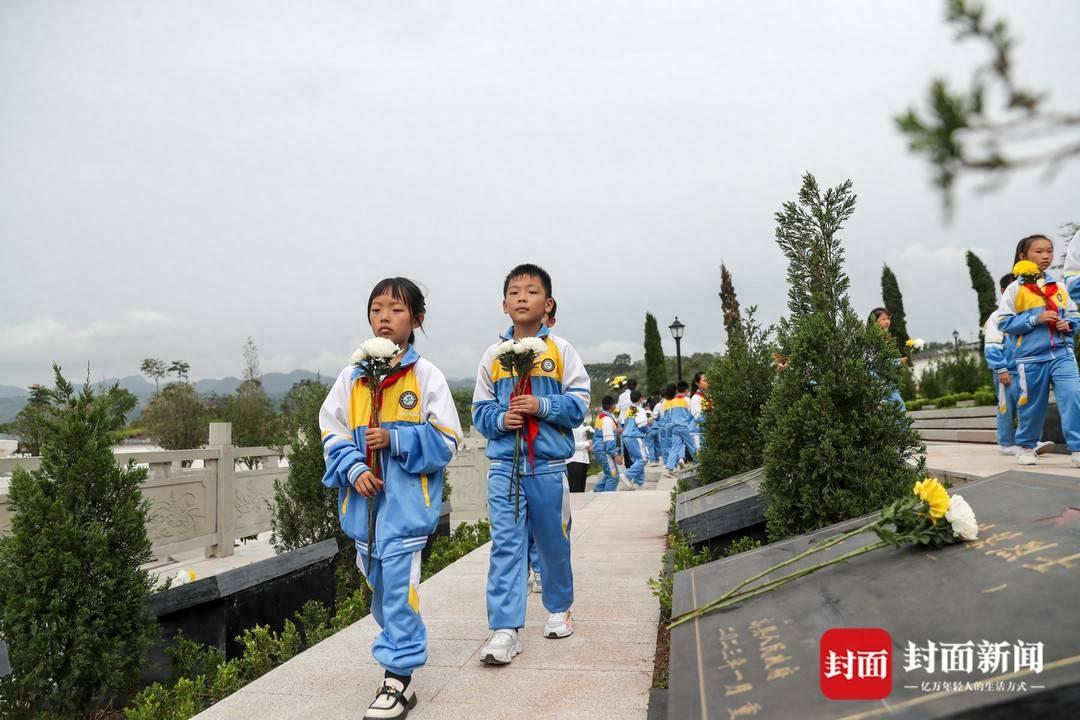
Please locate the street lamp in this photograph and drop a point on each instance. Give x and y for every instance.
(956, 339)
(677, 329)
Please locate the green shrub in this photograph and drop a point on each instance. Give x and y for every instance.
(741, 545)
(836, 448)
(739, 386)
(72, 596)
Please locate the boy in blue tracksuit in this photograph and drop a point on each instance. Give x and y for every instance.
(633, 437)
(1001, 358)
(554, 403)
(677, 410)
(1039, 318)
(605, 446)
(652, 435)
(668, 395)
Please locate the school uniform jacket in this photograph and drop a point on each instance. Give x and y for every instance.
(1000, 355)
(420, 414)
(559, 381)
(1018, 317)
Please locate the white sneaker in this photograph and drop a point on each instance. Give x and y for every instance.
(682, 462)
(534, 582)
(668, 474)
(1026, 456)
(624, 482)
(558, 625)
(501, 648)
(1076, 459)
(1043, 447)
(393, 700)
(1007, 449)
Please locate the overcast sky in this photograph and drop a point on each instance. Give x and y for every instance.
(176, 176)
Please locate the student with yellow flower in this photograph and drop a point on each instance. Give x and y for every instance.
(1040, 318)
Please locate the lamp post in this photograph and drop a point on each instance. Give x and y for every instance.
(956, 339)
(677, 329)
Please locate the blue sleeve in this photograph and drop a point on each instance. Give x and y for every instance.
(1020, 323)
(422, 449)
(564, 410)
(488, 415)
(995, 356)
(345, 459)
(344, 463)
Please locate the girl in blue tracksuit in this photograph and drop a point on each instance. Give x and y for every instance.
(417, 436)
(677, 410)
(605, 442)
(1039, 318)
(633, 437)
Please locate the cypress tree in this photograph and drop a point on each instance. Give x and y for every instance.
(730, 304)
(72, 596)
(739, 385)
(982, 282)
(835, 447)
(894, 303)
(656, 375)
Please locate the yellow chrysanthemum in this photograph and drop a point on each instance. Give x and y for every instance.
(1025, 267)
(934, 494)
(191, 575)
(910, 343)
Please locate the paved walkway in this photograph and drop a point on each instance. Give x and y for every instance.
(603, 671)
(966, 461)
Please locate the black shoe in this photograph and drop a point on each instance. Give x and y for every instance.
(392, 701)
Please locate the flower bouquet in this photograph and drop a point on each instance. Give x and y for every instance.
(915, 345)
(375, 359)
(929, 516)
(517, 358)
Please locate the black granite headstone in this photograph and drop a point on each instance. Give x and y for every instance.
(723, 511)
(1018, 585)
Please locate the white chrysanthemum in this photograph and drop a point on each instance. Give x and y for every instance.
(380, 348)
(519, 349)
(359, 356)
(506, 347)
(918, 343)
(535, 344)
(183, 576)
(962, 518)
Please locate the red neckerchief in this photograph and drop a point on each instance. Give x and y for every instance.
(532, 425)
(390, 379)
(1047, 293)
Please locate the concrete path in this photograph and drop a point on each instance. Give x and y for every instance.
(960, 462)
(603, 671)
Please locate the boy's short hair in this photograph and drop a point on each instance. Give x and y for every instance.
(635, 396)
(683, 386)
(1006, 280)
(631, 383)
(607, 402)
(529, 270)
(669, 391)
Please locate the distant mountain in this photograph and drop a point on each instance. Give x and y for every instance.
(276, 384)
(10, 391)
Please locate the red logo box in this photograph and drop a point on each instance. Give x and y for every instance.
(856, 664)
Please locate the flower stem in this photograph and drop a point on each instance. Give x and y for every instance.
(730, 599)
(824, 545)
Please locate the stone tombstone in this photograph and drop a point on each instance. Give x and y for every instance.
(996, 617)
(723, 511)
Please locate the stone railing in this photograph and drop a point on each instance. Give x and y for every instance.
(204, 499)
(198, 498)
